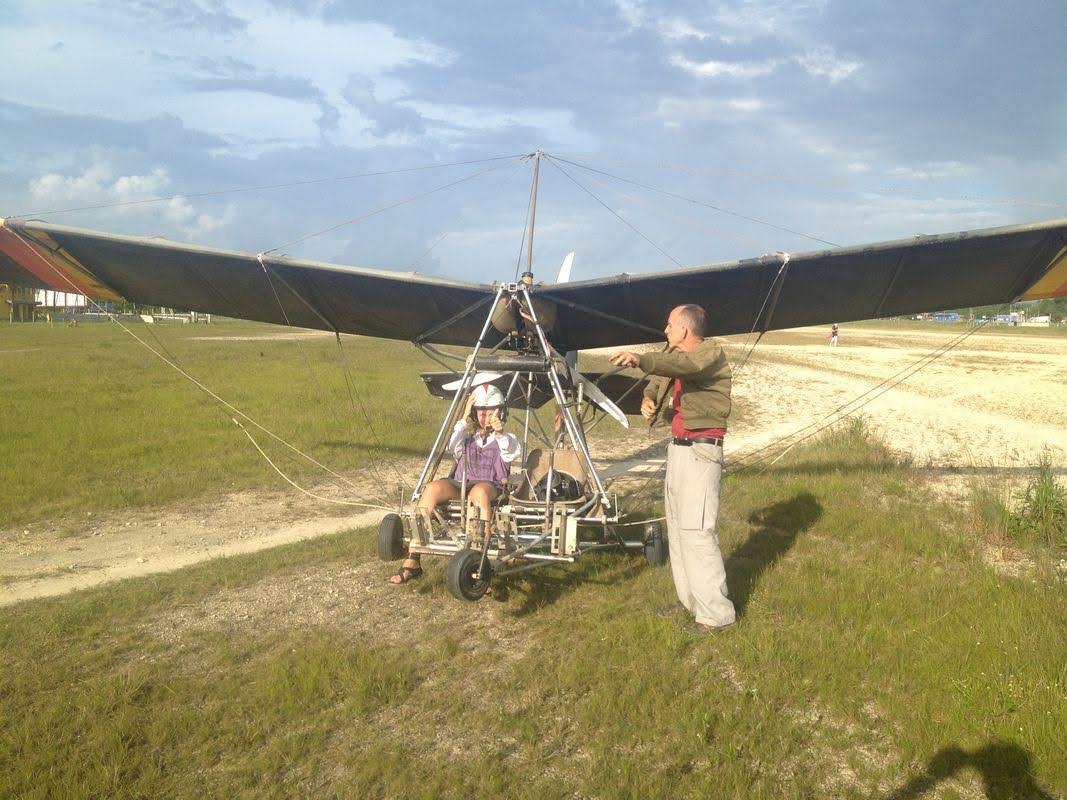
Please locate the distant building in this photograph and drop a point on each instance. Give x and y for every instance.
(1037, 322)
(1014, 318)
(60, 301)
(20, 301)
(946, 316)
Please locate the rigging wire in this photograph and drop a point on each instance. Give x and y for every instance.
(713, 207)
(389, 207)
(838, 184)
(355, 397)
(618, 216)
(748, 353)
(307, 362)
(175, 366)
(265, 187)
(840, 413)
(522, 239)
(415, 263)
(301, 488)
(737, 465)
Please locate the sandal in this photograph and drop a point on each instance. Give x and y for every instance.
(407, 574)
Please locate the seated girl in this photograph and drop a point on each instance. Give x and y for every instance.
(484, 454)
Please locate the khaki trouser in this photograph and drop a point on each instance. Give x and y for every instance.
(692, 504)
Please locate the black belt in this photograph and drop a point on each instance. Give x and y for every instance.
(698, 440)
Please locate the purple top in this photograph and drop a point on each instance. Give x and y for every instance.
(482, 462)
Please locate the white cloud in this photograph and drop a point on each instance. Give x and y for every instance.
(111, 55)
(97, 185)
(558, 125)
(929, 171)
(676, 111)
(745, 20)
(676, 29)
(900, 216)
(823, 62)
(858, 167)
(731, 69)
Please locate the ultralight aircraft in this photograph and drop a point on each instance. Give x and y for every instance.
(525, 337)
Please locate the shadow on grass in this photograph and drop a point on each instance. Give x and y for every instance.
(1004, 767)
(780, 524)
(542, 588)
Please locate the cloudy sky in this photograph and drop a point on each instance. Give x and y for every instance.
(839, 121)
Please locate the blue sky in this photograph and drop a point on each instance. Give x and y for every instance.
(845, 121)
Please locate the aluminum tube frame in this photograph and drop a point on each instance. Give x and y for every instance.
(435, 457)
(557, 391)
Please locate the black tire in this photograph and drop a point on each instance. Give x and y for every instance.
(459, 575)
(656, 551)
(391, 538)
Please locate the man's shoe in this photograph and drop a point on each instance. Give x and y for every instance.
(700, 629)
(667, 612)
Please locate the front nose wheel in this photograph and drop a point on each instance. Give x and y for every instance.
(391, 538)
(462, 577)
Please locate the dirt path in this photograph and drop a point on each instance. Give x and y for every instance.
(994, 404)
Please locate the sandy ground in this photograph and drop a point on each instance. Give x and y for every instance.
(991, 404)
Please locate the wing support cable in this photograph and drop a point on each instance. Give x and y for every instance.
(352, 396)
(180, 370)
(892, 281)
(267, 187)
(436, 355)
(1027, 276)
(694, 202)
(60, 253)
(612, 211)
(389, 207)
(422, 337)
(771, 297)
(435, 457)
(738, 465)
(601, 314)
(843, 410)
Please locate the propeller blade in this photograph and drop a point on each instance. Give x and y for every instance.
(477, 380)
(594, 395)
(565, 268)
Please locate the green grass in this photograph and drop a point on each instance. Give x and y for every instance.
(876, 655)
(107, 425)
(1035, 517)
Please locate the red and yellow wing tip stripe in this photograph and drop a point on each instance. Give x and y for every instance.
(1053, 283)
(42, 257)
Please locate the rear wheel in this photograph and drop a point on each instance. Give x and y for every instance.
(391, 538)
(656, 551)
(462, 577)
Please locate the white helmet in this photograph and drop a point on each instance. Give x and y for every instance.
(487, 396)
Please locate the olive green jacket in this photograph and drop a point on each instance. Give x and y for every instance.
(705, 374)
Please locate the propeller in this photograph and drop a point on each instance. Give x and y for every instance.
(477, 380)
(565, 268)
(594, 395)
(590, 390)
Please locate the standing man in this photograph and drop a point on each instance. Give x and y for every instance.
(692, 383)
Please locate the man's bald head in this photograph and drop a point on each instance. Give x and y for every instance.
(693, 317)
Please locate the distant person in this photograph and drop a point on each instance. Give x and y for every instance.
(833, 335)
(692, 387)
(484, 454)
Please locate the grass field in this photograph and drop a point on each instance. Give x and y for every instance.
(877, 654)
(107, 425)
